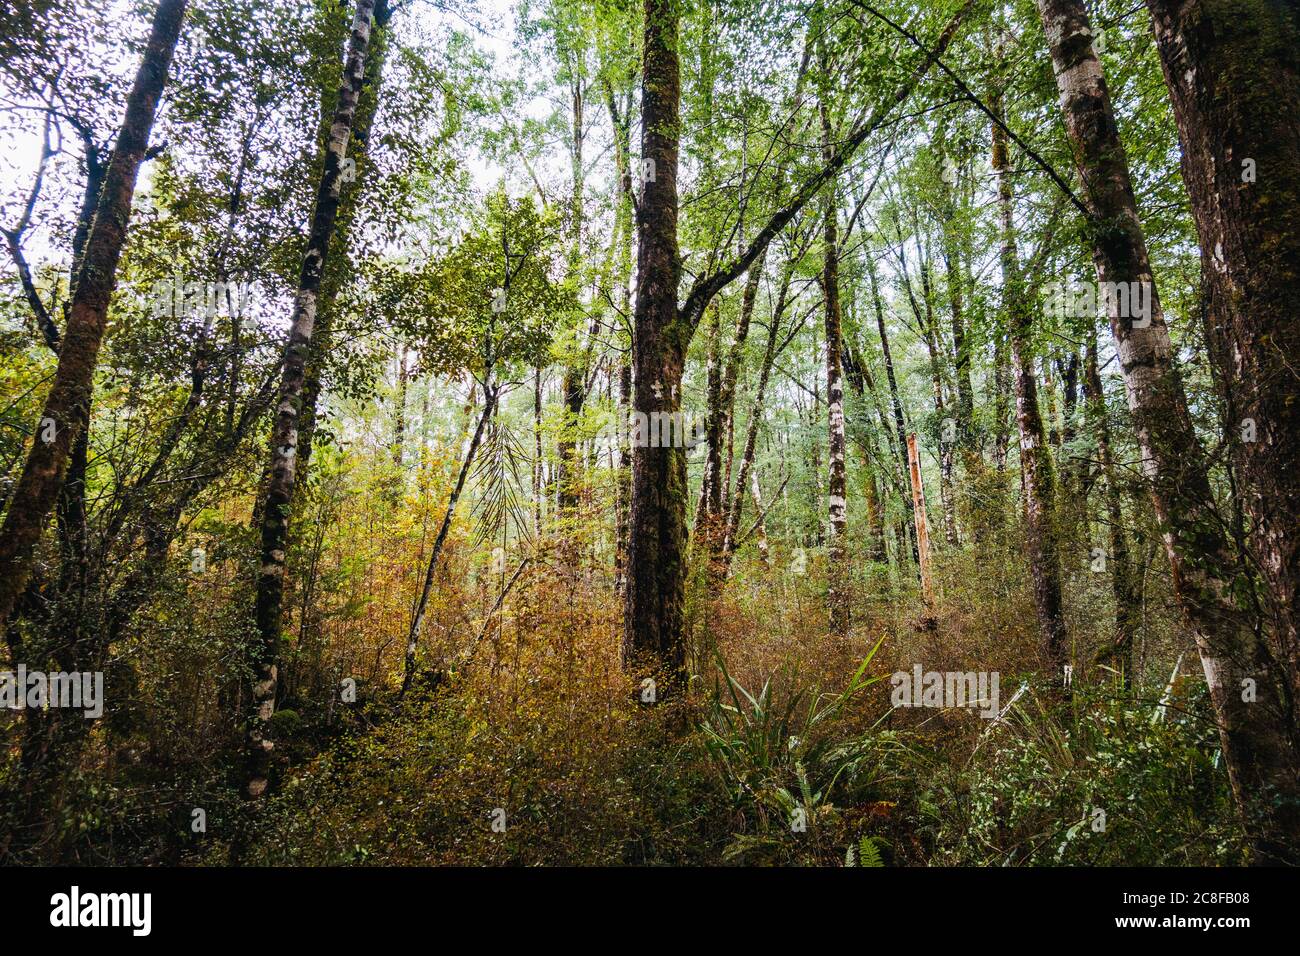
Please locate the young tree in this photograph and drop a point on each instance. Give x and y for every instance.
(837, 598)
(1037, 468)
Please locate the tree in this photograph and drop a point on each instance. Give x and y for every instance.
(1255, 732)
(67, 408)
(1231, 70)
(282, 469)
(1037, 468)
(652, 622)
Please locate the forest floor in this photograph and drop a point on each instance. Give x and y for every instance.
(536, 749)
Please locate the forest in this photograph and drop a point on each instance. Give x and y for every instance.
(835, 433)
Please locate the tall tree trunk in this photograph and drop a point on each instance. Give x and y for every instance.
(1233, 71)
(706, 514)
(922, 523)
(1037, 468)
(537, 451)
(1121, 572)
(856, 373)
(655, 586)
(335, 270)
(620, 122)
(573, 383)
(67, 407)
(731, 374)
(284, 436)
(737, 504)
(1256, 731)
(896, 403)
(399, 412)
(837, 598)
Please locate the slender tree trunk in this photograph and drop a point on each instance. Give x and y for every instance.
(731, 375)
(67, 407)
(1036, 466)
(1121, 572)
(1256, 729)
(756, 412)
(284, 436)
(857, 375)
(426, 588)
(399, 424)
(760, 523)
(537, 452)
(710, 505)
(922, 524)
(837, 598)
(574, 381)
(1233, 72)
(896, 403)
(335, 271)
(619, 121)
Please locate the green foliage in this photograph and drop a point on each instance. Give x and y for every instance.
(491, 299)
(780, 759)
(1032, 792)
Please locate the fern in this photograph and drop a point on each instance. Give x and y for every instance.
(866, 853)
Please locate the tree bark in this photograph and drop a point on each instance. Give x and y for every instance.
(1037, 468)
(1121, 572)
(896, 403)
(284, 436)
(67, 406)
(1257, 736)
(922, 524)
(333, 277)
(1233, 72)
(655, 585)
(837, 598)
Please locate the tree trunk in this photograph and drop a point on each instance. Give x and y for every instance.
(399, 413)
(1036, 466)
(1121, 573)
(922, 524)
(67, 407)
(896, 403)
(655, 586)
(426, 588)
(1233, 72)
(731, 374)
(574, 381)
(1256, 734)
(737, 504)
(334, 274)
(857, 375)
(837, 598)
(284, 436)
